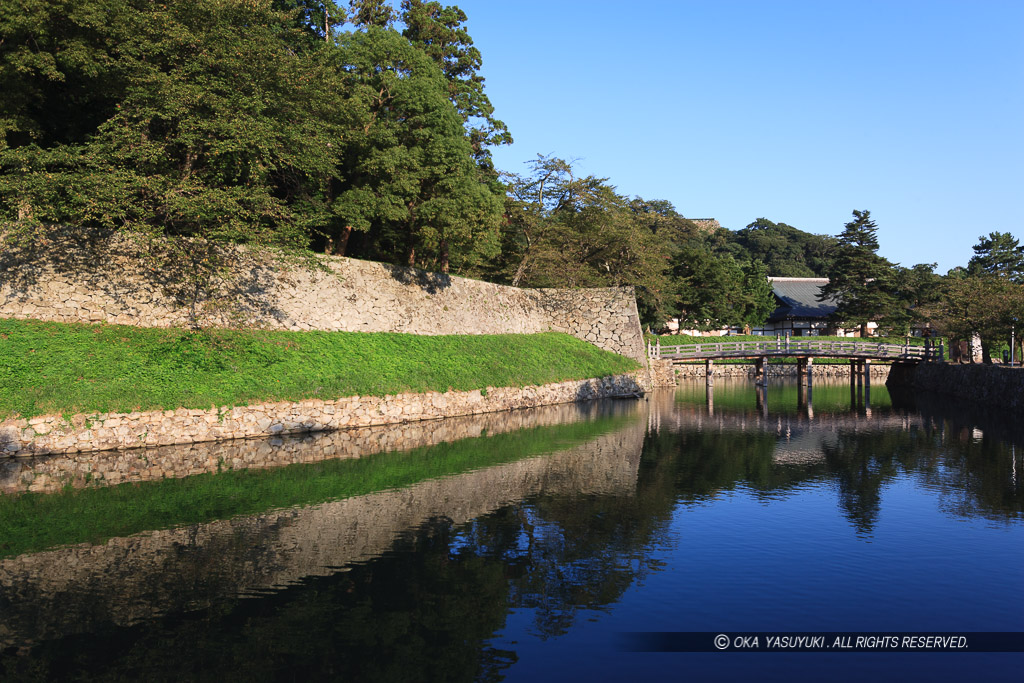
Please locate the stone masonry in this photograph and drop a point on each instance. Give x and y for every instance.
(83, 433)
(114, 284)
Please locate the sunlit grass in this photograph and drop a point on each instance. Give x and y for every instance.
(49, 368)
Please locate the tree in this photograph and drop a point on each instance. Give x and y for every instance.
(758, 301)
(859, 278)
(565, 231)
(716, 291)
(441, 33)
(998, 255)
(366, 13)
(220, 127)
(917, 290)
(983, 305)
(785, 250)
(410, 181)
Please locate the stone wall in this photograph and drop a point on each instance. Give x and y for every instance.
(116, 282)
(51, 473)
(666, 374)
(106, 431)
(992, 385)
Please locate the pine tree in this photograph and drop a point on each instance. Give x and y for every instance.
(860, 277)
(999, 255)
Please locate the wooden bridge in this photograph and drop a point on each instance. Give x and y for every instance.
(859, 353)
(794, 348)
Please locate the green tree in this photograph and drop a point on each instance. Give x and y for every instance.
(758, 300)
(366, 13)
(565, 231)
(859, 278)
(716, 291)
(441, 33)
(410, 181)
(1000, 255)
(221, 129)
(785, 250)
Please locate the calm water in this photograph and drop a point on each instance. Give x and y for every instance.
(778, 511)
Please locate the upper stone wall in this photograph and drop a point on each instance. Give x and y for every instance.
(117, 284)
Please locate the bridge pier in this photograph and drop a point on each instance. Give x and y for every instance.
(804, 399)
(709, 372)
(804, 369)
(761, 393)
(760, 373)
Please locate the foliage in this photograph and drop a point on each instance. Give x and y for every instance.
(988, 306)
(256, 123)
(999, 255)
(54, 368)
(216, 128)
(987, 297)
(785, 250)
(859, 278)
(565, 231)
(441, 33)
(410, 178)
(715, 291)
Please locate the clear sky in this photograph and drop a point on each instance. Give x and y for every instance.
(798, 112)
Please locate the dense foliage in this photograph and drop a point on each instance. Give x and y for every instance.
(245, 122)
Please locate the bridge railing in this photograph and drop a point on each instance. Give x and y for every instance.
(787, 346)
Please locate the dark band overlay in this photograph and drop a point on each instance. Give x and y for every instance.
(821, 641)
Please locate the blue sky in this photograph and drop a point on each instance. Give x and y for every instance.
(796, 111)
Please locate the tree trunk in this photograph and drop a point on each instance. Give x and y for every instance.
(412, 257)
(444, 256)
(342, 244)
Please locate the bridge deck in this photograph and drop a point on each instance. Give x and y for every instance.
(790, 347)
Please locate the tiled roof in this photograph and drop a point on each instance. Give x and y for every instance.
(798, 298)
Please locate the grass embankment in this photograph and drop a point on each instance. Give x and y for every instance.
(675, 339)
(32, 522)
(55, 368)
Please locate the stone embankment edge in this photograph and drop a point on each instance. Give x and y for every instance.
(991, 385)
(664, 373)
(111, 431)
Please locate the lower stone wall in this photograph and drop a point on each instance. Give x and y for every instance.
(666, 374)
(107, 431)
(663, 373)
(993, 385)
(51, 473)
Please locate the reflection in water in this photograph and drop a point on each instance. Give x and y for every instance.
(469, 575)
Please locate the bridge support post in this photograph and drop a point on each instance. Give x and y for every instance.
(867, 373)
(804, 369)
(760, 375)
(709, 372)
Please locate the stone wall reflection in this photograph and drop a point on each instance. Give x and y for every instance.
(76, 589)
(54, 472)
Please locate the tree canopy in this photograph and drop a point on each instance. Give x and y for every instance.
(859, 278)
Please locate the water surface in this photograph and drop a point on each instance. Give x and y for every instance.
(526, 554)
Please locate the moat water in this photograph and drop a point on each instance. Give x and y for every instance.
(529, 551)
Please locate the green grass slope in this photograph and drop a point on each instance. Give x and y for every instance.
(48, 368)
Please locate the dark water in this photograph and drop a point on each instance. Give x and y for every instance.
(779, 512)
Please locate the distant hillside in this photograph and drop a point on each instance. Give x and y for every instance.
(785, 250)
